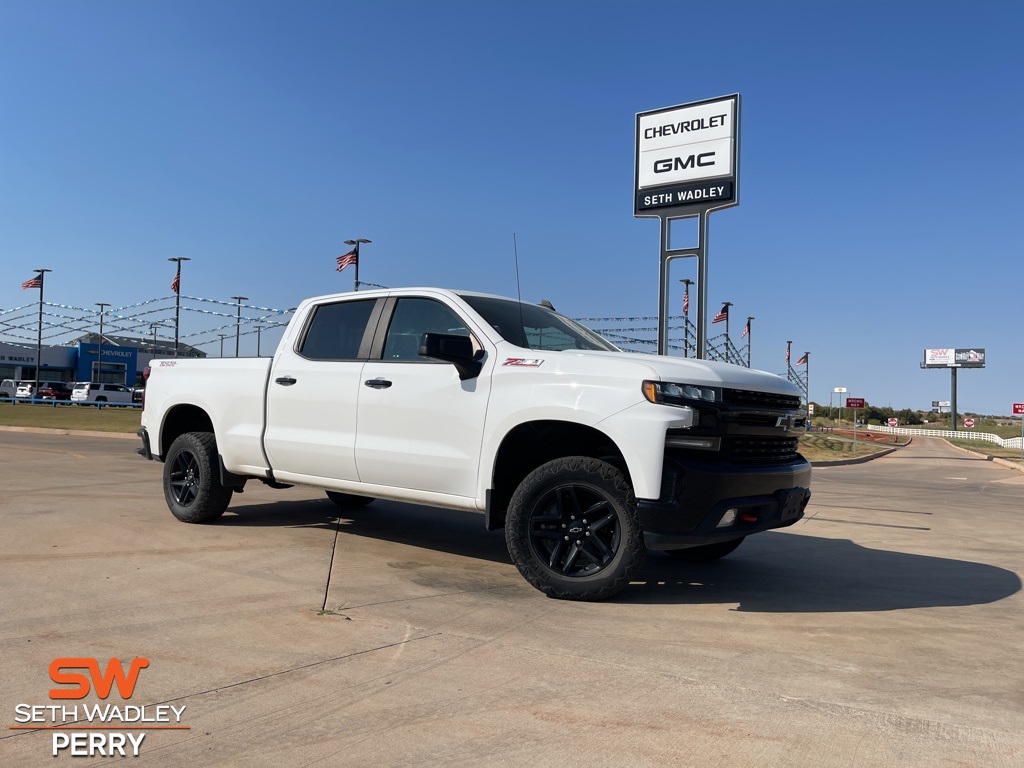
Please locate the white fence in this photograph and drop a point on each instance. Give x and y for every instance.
(986, 437)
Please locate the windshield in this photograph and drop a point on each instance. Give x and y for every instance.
(535, 327)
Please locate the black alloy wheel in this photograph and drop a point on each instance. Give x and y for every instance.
(572, 529)
(192, 486)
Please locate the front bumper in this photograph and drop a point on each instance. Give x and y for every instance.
(697, 495)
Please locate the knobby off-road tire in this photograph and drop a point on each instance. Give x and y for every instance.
(706, 552)
(192, 485)
(349, 500)
(572, 529)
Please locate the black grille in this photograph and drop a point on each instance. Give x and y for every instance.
(750, 450)
(760, 399)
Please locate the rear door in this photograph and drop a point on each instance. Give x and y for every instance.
(420, 427)
(311, 396)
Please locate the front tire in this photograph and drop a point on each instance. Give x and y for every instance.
(572, 529)
(192, 484)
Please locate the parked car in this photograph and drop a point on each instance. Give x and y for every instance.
(92, 392)
(8, 388)
(138, 394)
(28, 388)
(54, 390)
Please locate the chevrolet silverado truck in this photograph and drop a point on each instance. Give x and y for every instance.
(586, 455)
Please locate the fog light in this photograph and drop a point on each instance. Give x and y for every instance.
(727, 519)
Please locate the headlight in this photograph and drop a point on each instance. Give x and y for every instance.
(669, 393)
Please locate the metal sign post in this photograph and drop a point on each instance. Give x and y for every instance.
(686, 166)
(1018, 410)
(855, 403)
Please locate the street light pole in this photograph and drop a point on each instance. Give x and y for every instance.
(259, 329)
(686, 315)
(356, 243)
(99, 352)
(222, 337)
(238, 320)
(176, 287)
(750, 337)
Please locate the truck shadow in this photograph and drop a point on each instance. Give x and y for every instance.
(773, 572)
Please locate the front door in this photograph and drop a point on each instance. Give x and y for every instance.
(420, 427)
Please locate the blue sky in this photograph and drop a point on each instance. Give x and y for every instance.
(880, 172)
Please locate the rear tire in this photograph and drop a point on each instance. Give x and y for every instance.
(192, 484)
(572, 529)
(706, 552)
(349, 500)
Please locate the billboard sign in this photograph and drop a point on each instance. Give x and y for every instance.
(687, 156)
(954, 358)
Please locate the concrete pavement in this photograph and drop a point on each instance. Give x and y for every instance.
(884, 629)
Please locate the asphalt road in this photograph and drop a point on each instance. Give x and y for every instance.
(885, 629)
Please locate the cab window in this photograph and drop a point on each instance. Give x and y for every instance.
(414, 317)
(336, 331)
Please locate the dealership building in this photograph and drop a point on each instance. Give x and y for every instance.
(123, 359)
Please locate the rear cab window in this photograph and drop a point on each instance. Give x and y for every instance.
(338, 331)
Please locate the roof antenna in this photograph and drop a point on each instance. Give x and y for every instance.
(519, 291)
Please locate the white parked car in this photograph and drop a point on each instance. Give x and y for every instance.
(91, 392)
(8, 387)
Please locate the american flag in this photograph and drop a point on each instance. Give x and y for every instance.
(803, 359)
(787, 354)
(746, 329)
(35, 282)
(723, 315)
(176, 282)
(352, 257)
(686, 303)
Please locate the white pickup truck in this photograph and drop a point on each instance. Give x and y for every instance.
(584, 454)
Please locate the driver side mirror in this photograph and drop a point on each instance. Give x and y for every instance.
(454, 349)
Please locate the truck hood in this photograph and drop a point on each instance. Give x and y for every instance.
(701, 372)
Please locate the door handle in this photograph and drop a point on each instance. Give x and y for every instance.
(377, 383)
(285, 381)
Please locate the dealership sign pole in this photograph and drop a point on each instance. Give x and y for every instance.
(686, 166)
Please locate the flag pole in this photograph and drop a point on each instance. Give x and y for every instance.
(750, 339)
(39, 330)
(686, 316)
(176, 286)
(355, 252)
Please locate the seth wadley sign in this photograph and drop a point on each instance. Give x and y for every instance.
(680, 150)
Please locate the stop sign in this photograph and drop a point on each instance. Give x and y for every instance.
(968, 422)
(893, 422)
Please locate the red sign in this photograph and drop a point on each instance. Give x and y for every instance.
(855, 402)
(893, 422)
(1018, 409)
(968, 422)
